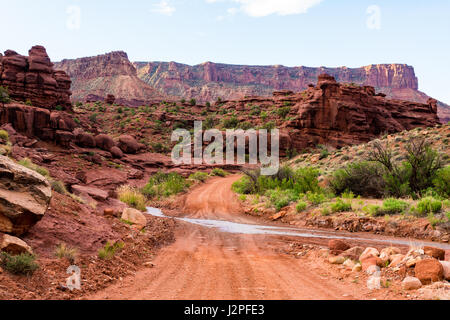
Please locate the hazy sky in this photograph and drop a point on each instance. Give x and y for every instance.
(263, 32)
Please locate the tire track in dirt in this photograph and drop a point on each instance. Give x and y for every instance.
(205, 264)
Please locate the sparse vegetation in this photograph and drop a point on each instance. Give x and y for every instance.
(63, 251)
(218, 172)
(165, 185)
(131, 196)
(199, 176)
(22, 264)
(110, 249)
(26, 162)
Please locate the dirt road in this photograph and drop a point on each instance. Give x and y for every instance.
(207, 264)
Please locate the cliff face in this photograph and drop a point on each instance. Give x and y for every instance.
(34, 78)
(111, 73)
(208, 81)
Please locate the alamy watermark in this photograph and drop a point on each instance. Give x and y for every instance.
(195, 152)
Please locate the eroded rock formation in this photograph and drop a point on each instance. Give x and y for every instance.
(34, 79)
(24, 197)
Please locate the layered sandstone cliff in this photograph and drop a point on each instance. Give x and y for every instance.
(209, 81)
(34, 79)
(112, 74)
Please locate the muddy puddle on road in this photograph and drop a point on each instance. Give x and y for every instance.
(254, 229)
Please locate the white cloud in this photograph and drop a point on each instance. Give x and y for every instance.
(262, 8)
(164, 8)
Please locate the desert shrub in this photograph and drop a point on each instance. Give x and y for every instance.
(301, 206)
(428, 205)
(93, 117)
(315, 198)
(361, 178)
(4, 136)
(63, 251)
(372, 209)
(131, 196)
(393, 206)
(244, 186)
(269, 125)
(26, 162)
(22, 264)
(218, 172)
(4, 95)
(283, 112)
(158, 147)
(441, 182)
(192, 102)
(415, 175)
(165, 185)
(281, 198)
(199, 176)
(110, 250)
(58, 186)
(341, 206)
(230, 123)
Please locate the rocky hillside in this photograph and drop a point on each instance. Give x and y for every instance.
(208, 81)
(111, 73)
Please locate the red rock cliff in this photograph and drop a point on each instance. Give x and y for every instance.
(34, 78)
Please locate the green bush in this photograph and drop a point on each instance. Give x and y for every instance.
(442, 182)
(341, 206)
(4, 95)
(281, 198)
(243, 186)
(4, 136)
(230, 123)
(199, 176)
(361, 178)
(428, 205)
(301, 206)
(165, 185)
(22, 264)
(218, 172)
(315, 198)
(393, 206)
(283, 112)
(192, 102)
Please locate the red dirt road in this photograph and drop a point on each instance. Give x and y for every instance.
(205, 264)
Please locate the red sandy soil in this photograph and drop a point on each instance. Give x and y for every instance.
(207, 264)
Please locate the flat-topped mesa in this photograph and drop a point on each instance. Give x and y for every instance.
(34, 79)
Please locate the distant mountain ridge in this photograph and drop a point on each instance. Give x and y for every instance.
(113, 73)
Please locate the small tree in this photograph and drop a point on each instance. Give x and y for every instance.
(4, 96)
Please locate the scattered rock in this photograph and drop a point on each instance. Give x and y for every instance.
(128, 144)
(336, 260)
(411, 283)
(13, 245)
(104, 142)
(369, 252)
(446, 269)
(429, 270)
(372, 269)
(396, 259)
(95, 193)
(116, 153)
(349, 264)
(374, 282)
(135, 217)
(24, 197)
(109, 212)
(434, 252)
(353, 253)
(338, 246)
(357, 268)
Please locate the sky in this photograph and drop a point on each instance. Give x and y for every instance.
(312, 33)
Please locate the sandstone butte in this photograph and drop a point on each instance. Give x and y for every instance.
(143, 82)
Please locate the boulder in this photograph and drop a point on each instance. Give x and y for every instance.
(369, 252)
(411, 283)
(86, 140)
(13, 245)
(135, 217)
(371, 261)
(429, 270)
(374, 282)
(110, 99)
(128, 144)
(353, 253)
(446, 269)
(434, 252)
(336, 260)
(396, 259)
(338, 246)
(24, 197)
(116, 153)
(104, 142)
